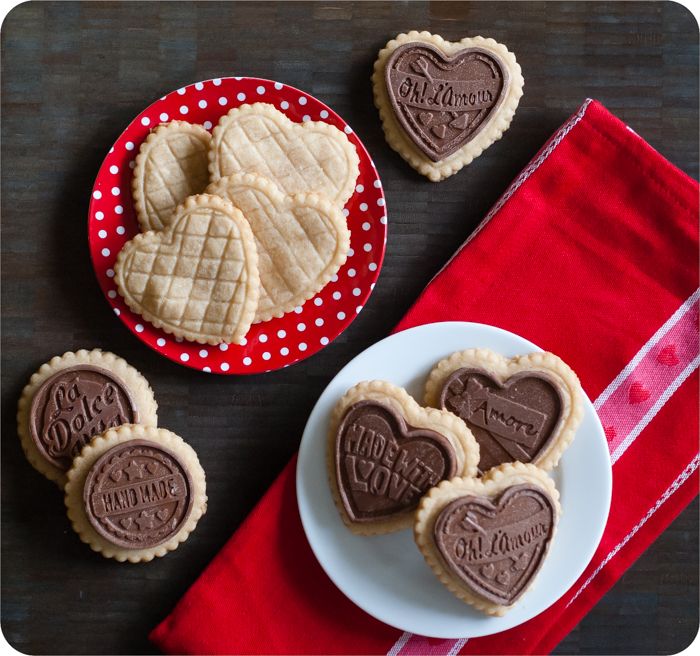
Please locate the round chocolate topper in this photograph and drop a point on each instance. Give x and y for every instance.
(383, 465)
(73, 406)
(513, 420)
(443, 102)
(138, 494)
(496, 548)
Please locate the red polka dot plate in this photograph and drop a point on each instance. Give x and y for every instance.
(273, 344)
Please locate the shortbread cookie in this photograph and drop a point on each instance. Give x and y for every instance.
(385, 451)
(298, 157)
(524, 409)
(172, 164)
(442, 103)
(135, 493)
(197, 279)
(486, 539)
(302, 240)
(73, 397)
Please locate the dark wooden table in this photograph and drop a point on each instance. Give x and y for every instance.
(75, 74)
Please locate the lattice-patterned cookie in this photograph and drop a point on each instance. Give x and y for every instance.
(302, 240)
(298, 157)
(197, 279)
(385, 451)
(172, 164)
(486, 539)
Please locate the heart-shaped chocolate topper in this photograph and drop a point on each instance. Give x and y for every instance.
(383, 465)
(462, 92)
(496, 549)
(514, 420)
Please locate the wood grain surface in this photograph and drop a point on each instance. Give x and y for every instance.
(74, 75)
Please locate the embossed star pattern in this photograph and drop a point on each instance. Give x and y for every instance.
(145, 520)
(134, 470)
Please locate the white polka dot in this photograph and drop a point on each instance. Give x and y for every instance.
(301, 327)
(284, 104)
(112, 294)
(115, 191)
(224, 366)
(383, 220)
(360, 188)
(334, 277)
(380, 202)
(262, 337)
(163, 116)
(346, 211)
(323, 114)
(266, 355)
(223, 347)
(202, 104)
(284, 351)
(237, 78)
(302, 346)
(366, 226)
(281, 334)
(372, 266)
(184, 109)
(278, 85)
(241, 96)
(138, 327)
(318, 302)
(356, 291)
(184, 357)
(352, 273)
(324, 340)
(372, 286)
(340, 315)
(298, 309)
(99, 216)
(347, 129)
(111, 150)
(377, 184)
(306, 118)
(160, 341)
(302, 100)
(247, 361)
(105, 252)
(129, 145)
(145, 120)
(217, 81)
(367, 248)
(199, 86)
(261, 90)
(121, 230)
(319, 322)
(358, 309)
(97, 194)
(110, 273)
(102, 234)
(336, 295)
(117, 311)
(181, 91)
(114, 169)
(363, 207)
(223, 100)
(207, 125)
(243, 341)
(206, 369)
(203, 353)
(119, 209)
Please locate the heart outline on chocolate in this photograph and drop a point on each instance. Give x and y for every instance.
(427, 53)
(410, 439)
(482, 510)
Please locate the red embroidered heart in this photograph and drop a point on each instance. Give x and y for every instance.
(638, 393)
(383, 465)
(668, 356)
(496, 548)
(420, 78)
(610, 433)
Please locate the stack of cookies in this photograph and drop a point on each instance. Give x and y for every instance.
(239, 226)
(467, 471)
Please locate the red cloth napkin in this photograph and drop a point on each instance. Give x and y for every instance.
(591, 253)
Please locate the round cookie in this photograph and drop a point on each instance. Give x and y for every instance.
(135, 493)
(74, 397)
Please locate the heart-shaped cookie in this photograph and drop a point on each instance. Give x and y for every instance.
(524, 409)
(486, 539)
(385, 452)
(172, 164)
(298, 157)
(302, 240)
(469, 90)
(197, 279)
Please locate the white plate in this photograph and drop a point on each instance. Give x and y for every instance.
(386, 575)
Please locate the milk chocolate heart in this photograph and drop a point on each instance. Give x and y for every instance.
(384, 465)
(464, 90)
(513, 420)
(496, 547)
